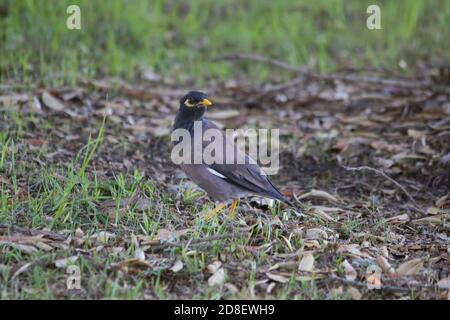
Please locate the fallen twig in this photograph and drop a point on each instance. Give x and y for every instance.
(22, 269)
(5, 229)
(382, 288)
(262, 59)
(384, 175)
(428, 85)
(198, 241)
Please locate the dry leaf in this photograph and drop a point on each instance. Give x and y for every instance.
(213, 267)
(270, 287)
(374, 280)
(103, 237)
(156, 131)
(433, 219)
(442, 201)
(444, 283)
(284, 265)
(22, 269)
(337, 291)
(35, 142)
(232, 288)
(308, 278)
(416, 134)
(62, 263)
(353, 249)
(118, 250)
(320, 195)
(223, 114)
(384, 264)
(329, 209)
(288, 243)
(425, 149)
(43, 246)
(165, 235)
(52, 102)
(353, 293)
(433, 211)
(317, 211)
(350, 272)
(79, 234)
(307, 262)
(177, 266)
(277, 277)
(384, 252)
(139, 254)
(315, 234)
(399, 218)
(24, 248)
(8, 101)
(217, 278)
(410, 267)
(132, 265)
(312, 244)
(149, 75)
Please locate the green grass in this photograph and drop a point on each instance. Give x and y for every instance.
(66, 196)
(84, 184)
(179, 39)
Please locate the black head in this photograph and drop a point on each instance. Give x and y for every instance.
(195, 99)
(192, 107)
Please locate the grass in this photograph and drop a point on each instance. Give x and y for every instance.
(66, 187)
(69, 196)
(83, 189)
(179, 39)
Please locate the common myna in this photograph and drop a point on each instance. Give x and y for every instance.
(222, 181)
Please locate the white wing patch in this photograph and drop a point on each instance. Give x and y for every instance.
(214, 172)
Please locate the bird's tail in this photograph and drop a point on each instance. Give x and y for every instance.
(281, 198)
(276, 194)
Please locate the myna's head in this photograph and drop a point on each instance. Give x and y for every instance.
(194, 100)
(192, 108)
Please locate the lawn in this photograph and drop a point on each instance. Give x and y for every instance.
(180, 40)
(86, 179)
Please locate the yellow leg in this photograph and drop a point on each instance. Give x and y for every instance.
(233, 207)
(214, 211)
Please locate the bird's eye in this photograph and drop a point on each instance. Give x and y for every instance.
(189, 103)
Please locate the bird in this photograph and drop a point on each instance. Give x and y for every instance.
(222, 181)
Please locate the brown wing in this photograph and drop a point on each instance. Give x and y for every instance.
(248, 176)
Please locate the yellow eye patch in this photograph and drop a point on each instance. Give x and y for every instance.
(189, 103)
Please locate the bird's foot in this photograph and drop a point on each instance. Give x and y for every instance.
(233, 207)
(212, 213)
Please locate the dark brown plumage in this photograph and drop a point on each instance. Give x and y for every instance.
(222, 182)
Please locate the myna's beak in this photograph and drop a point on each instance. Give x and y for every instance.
(205, 102)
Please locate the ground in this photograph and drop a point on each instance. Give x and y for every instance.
(92, 207)
(100, 192)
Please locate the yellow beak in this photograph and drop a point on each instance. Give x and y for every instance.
(206, 102)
